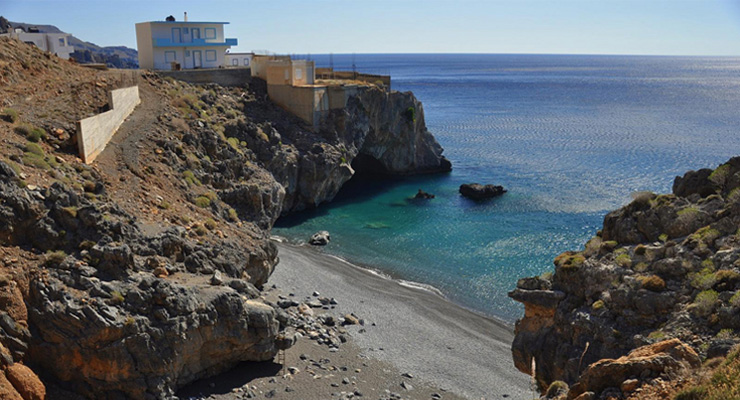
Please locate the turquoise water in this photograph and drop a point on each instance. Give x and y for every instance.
(570, 137)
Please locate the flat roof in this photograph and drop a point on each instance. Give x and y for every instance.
(184, 22)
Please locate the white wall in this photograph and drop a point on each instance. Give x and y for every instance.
(94, 133)
(56, 43)
(238, 59)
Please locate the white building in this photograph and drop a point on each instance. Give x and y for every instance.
(57, 43)
(239, 59)
(190, 44)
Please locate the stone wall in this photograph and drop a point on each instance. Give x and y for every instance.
(221, 76)
(94, 133)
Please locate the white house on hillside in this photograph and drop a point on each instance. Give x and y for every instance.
(188, 43)
(239, 59)
(57, 43)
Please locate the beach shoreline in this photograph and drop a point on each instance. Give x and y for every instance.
(414, 329)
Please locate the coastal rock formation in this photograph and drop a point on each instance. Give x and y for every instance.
(378, 132)
(320, 238)
(476, 191)
(98, 310)
(134, 276)
(664, 266)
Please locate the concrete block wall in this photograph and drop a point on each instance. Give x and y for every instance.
(309, 103)
(94, 133)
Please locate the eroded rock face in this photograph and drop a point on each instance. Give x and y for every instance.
(146, 336)
(664, 266)
(102, 323)
(669, 357)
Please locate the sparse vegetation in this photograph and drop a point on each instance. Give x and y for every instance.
(9, 115)
(705, 302)
(654, 283)
(211, 224)
(570, 260)
(190, 178)
(202, 201)
(722, 385)
(54, 258)
(598, 305)
(32, 133)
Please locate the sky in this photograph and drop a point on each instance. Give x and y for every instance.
(644, 27)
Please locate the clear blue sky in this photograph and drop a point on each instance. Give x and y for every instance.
(660, 27)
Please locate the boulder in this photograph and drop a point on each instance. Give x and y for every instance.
(423, 195)
(26, 382)
(476, 191)
(320, 238)
(667, 356)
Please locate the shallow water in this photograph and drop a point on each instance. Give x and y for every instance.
(570, 137)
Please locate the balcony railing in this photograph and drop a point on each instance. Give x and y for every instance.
(194, 43)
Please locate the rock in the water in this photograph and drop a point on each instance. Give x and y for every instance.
(476, 191)
(423, 195)
(320, 238)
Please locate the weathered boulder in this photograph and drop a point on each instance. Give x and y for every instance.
(476, 191)
(669, 356)
(25, 382)
(149, 338)
(320, 238)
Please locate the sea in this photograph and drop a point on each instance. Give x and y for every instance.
(571, 137)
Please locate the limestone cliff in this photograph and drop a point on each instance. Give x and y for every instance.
(664, 266)
(378, 132)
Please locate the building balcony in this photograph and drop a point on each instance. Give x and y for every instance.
(194, 43)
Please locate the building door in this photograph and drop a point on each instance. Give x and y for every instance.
(197, 59)
(176, 35)
(195, 34)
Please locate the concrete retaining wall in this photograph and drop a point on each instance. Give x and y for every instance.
(306, 102)
(221, 76)
(95, 132)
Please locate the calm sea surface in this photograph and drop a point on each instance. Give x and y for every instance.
(571, 137)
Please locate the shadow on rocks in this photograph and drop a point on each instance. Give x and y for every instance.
(239, 376)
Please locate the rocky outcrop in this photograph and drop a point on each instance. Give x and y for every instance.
(103, 324)
(667, 358)
(476, 191)
(664, 266)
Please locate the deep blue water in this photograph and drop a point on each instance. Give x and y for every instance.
(571, 137)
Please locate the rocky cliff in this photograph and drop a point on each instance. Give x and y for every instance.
(143, 272)
(379, 132)
(663, 267)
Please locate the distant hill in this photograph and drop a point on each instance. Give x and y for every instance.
(87, 52)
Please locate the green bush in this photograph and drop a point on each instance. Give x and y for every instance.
(202, 201)
(705, 302)
(35, 160)
(570, 260)
(54, 258)
(10, 115)
(653, 283)
(211, 224)
(190, 178)
(34, 149)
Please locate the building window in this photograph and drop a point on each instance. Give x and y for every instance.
(298, 73)
(210, 55)
(185, 30)
(246, 62)
(61, 42)
(235, 61)
(210, 33)
(170, 56)
(187, 53)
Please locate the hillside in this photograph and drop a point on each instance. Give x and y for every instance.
(149, 269)
(87, 52)
(651, 296)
